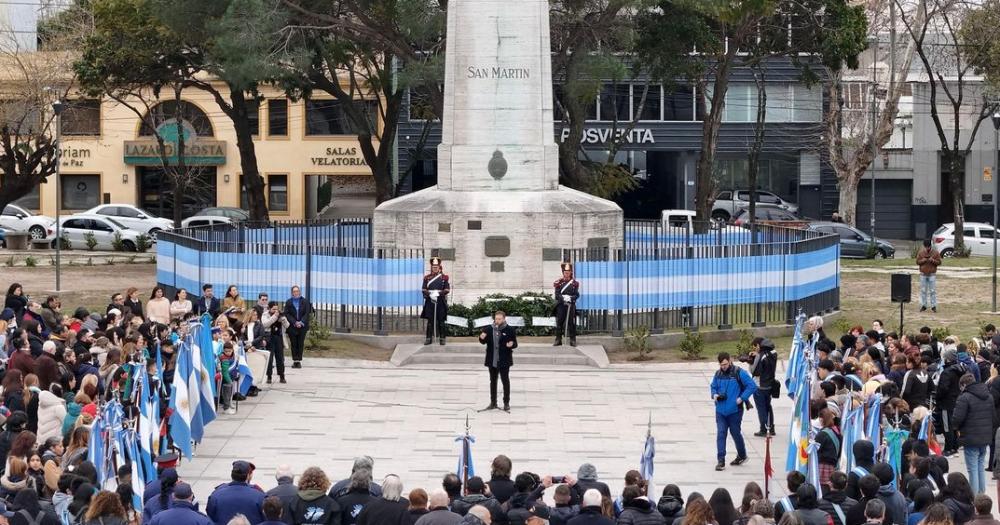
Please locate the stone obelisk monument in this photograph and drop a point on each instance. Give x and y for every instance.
(498, 216)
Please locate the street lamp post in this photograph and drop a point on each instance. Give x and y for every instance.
(873, 42)
(58, 107)
(996, 163)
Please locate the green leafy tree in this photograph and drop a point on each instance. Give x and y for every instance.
(703, 41)
(591, 43)
(132, 58)
(365, 55)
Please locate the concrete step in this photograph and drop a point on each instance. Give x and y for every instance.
(531, 354)
(456, 358)
(521, 349)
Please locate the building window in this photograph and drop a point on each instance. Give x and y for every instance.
(807, 103)
(253, 116)
(678, 104)
(327, 117)
(650, 110)
(277, 117)
(82, 117)
(615, 103)
(277, 192)
(80, 192)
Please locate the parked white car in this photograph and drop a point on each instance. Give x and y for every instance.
(75, 228)
(978, 239)
(18, 219)
(728, 202)
(204, 220)
(133, 218)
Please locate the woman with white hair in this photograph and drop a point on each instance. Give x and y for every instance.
(390, 508)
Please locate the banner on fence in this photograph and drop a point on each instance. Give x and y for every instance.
(455, 320)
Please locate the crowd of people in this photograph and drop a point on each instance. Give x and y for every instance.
(60, 369)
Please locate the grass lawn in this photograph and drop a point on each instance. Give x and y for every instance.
(903, 260)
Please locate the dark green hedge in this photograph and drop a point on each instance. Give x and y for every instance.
(527, 305)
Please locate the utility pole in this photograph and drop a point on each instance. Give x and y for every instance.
(873, 43)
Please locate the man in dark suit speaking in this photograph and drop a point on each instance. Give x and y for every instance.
(500, 340)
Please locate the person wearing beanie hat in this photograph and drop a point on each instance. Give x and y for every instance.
(895, 503)
(864, 459)
(475, 495)
(183, 511)
(586, 478)
(946, 397)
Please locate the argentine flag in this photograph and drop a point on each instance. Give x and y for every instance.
(208, 353)
(246, 375)
(185, 422)
(97, 448)
(138, 486)
(149, 426)
(205, 375)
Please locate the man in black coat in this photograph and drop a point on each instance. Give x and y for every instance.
(974, 422)
(764, 363)
(946, 395)
(298, 310)
(500, 340)
(208, 302)
(435, 288)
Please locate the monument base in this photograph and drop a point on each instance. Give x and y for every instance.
(498, 241)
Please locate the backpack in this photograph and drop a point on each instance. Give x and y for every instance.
(739, 381)
(37, 520)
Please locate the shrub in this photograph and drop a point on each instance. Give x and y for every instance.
(117, 243)
(527, 305)
(30, 262)
(871, 251)
(940, 333)
(637, 340)
(915, 249)
(143, 243)
(315, 337)
(90, 240)
(692, 345)
(65, 244)
(745, 342)
(842, 325)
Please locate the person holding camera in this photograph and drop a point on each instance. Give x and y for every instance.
(500, 340)
(763, 361)
(275, 323)
(731, 389)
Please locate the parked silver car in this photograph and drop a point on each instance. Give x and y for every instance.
(728, 202)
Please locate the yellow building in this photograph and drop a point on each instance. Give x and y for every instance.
(311, 165)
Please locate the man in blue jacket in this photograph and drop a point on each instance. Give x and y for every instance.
(237, 497)
(182, 510)
(731, 389)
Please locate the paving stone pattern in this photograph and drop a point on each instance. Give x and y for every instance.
(408, 419)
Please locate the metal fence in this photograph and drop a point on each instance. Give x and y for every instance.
(697, 275)
(664, 277)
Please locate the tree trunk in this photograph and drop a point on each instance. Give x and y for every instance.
(252, 180)
(704, 194)
(753, 169)
(956, 181)
(848, 199)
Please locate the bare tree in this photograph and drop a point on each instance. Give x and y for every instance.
(958, 102)
(851, 140)
(34, 80)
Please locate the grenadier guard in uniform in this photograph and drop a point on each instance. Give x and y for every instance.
(435, 289)
(567, 291)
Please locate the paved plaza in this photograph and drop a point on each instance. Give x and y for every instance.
(408, 419)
